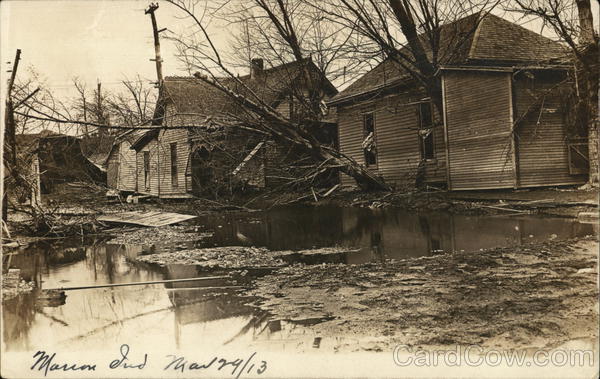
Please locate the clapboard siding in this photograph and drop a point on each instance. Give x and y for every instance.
(153, 185)
(350, 138)
(541, 134)
(396, 137)
(121, 167)
(163, 151)
(478, 124)
(165, 139)
(127, 167)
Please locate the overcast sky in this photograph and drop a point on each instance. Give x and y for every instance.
(106, 40)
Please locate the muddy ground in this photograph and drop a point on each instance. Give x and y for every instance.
(534, 296)
(531, 296)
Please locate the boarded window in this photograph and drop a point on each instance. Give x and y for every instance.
(146, 169)
(578, 158)
(368, 145)
(173, 147)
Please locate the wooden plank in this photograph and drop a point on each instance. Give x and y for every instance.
(248, 157)
(541, 144)
(153, 219)
(446, 147)
(513, 145)
(477, 115)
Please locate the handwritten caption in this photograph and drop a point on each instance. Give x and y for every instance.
(47, 362)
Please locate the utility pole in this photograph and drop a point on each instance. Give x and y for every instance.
(13, 74)
(99, 109)
(9, 131)
(151, 9)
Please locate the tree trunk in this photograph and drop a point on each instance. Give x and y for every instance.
(424, 66)
(289, 132)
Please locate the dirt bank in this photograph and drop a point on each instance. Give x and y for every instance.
(531, 296)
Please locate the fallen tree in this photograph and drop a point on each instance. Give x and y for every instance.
(260, 115)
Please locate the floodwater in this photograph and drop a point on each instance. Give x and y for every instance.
(179, 315)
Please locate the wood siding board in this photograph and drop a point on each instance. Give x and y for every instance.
(542, 138)
(511, 119)
(397, 139)
(446, 142)
(152, 188)
(478, 128)
(127, 167)
(164, 140)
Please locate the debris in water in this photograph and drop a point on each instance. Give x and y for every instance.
(168, 234)
(223, 257)
(242, 257)
(152, 218)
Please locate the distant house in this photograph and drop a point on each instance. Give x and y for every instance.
(198, 150)
(121, 162)
(48, 159)
(504, 123)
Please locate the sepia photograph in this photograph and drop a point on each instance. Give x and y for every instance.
(299, 188)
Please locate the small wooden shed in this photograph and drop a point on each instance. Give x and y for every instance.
(121, 163)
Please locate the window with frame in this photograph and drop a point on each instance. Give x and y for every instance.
(146, 169)
(426, 141)
(173, 148)
(368, 145)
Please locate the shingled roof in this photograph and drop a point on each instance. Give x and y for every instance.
(191, 95)
(473, 40)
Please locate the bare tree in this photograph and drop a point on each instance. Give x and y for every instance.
(572, 21)
(265, 31)
(200, 54)
(409, 33)
(131, 105)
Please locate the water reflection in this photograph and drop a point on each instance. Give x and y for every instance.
(384, 233)
(179, 315)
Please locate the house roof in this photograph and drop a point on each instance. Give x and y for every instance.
(144, 138)
(31, 144)
(190, 95)
(478, 39)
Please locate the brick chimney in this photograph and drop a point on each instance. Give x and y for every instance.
(256, 68)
